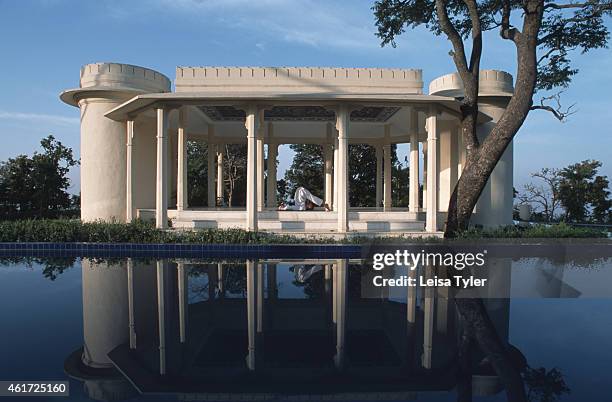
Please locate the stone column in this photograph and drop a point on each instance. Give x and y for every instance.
(129, 200)
(342, 125)
(431, 221)
(181, 177)
(260, 166)
(447, 162)
(252, 125)
(424, 174)
(161, 193)
(220, 184)
(335, 189)
(414, 163)
(387, 176)
(211, 176)
(329, 155)
(271, 184)
(104, 86)
(379, 176)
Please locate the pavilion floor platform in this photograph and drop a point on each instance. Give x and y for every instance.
(362, 221)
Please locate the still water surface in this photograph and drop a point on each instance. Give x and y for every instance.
(197, 329)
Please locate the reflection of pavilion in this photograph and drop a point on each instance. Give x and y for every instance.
(138, 319)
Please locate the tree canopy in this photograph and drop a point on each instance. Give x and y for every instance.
(546, 35)
(37, 186)
(307, 170)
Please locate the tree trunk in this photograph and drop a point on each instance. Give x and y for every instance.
(481, 161)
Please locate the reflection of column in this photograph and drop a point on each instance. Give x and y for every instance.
(272, 182)
(341, 312)
(161, 193)
(428, 319)
(251, 318)
(181, 177)
(327, 277)
(220, 284)
(132, 325)
(411, 297)
(271, 276)
(182, 294)
(334, 291)
(105, 311)
(260, 297)
(379, 176)
(161, 316)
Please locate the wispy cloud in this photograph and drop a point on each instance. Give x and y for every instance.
(319, 24)
(38, 117)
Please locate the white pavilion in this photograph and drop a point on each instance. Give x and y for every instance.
(134, 131)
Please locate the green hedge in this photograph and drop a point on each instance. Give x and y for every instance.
(554, 231)
(65, 230)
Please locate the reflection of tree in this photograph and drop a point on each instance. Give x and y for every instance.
(53, 267)
(234, 278)
(480, 327)
(314, 287)
(544, 385)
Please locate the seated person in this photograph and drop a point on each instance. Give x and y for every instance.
(303, 200)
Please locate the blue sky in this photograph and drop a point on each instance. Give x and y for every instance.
(45, 42)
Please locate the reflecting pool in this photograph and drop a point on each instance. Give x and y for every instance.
(300, 329)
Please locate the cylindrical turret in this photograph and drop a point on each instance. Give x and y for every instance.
(104, 86)
(494, 207)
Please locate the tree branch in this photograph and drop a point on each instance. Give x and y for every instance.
(451, 32)
(557, 110)
(556, 6)
(474, 66)
(507, 31)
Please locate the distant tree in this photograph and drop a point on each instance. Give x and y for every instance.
(306, 170)
(362, 175)
(197, 174)
(583, 193)
(37, 186)
(543, 35)
(400, 182)
(234, 172)
(544, 197)
(601, 201)
(281, 191)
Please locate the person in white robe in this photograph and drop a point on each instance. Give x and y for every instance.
(303, 200)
